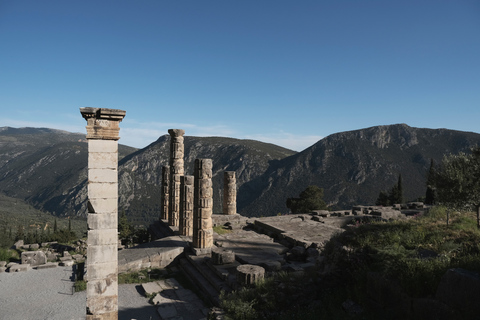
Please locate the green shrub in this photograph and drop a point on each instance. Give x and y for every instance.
(8, 255)
(80, 285)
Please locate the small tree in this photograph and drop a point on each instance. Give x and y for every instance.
(431, 193)
(383, 199)
(457, 181)
(394, 195)
(125, 229)
(310, 199)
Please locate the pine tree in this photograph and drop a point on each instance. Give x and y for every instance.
(55, 226)
(431, 193)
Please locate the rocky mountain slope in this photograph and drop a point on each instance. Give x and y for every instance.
(353, 167)
(47, 168)
(42, 166)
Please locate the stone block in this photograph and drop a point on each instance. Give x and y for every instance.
(33, 258)
(102, 190)
(102, 160)
(103, 175)
(19, 268)
(34, 246)
(66, 263)
(102, 270)
(103, 220)
(3, 269)
(48, 265)
(3, 264)
(99, 237)
(101, 306)
(100, 254)
(248, 274)
(19, 244)
(110, 146)
(151, 288)
(220, 256)
(102, 287)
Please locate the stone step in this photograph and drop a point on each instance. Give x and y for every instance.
(199, 281)
(201, 264)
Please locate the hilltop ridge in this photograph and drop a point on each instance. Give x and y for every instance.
(47, 168)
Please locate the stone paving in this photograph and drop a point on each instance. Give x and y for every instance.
(302, 229)
(175, 302)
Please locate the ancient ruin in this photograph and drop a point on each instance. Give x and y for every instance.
(203, 205)
(165, 193)
(186, 205)
(102, 263)
(176, 170)
(229, 193)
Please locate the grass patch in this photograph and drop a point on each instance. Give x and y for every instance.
(9, 255)
(414, 253)
(142, 276)
(80, 285)
(221, 230)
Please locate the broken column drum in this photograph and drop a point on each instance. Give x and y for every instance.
(102, 262)
(229, 193)
(203, 208)
(176, 170)
(165, 192)
(186, 205)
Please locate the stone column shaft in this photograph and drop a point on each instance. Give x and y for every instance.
(229, 193)
(176, 170)
(102, 240)
(203, 199)
(165, 196)
(186, 205)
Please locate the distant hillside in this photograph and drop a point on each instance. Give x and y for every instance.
(47, 168)
(353, 167)
(39, 165)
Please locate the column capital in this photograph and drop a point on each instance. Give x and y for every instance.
(176, 132)
(102, 123)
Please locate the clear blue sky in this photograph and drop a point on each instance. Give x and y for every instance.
(286, 72)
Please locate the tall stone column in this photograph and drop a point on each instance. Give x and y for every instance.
(102, 258)
(176, 170)
(165, 193)
(229, 193)
(203, 200)
(186, 205)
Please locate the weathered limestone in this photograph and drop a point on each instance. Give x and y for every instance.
(203, 205)
(102, 241)
(229, 193)
(33, 258)
(165, 193)
(221, 256)
(176, 170)
(248, 274)
(186, 205)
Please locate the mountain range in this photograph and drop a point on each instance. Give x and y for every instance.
(48, 168)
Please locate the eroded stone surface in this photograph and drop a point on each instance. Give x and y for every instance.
(203, 204)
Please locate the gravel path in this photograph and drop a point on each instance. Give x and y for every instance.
(47, 294)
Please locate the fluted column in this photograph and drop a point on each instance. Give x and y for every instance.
(165, 192)
(229, 193)
(186, 205)
(203, 200)
(176, 170)
(102, 259)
